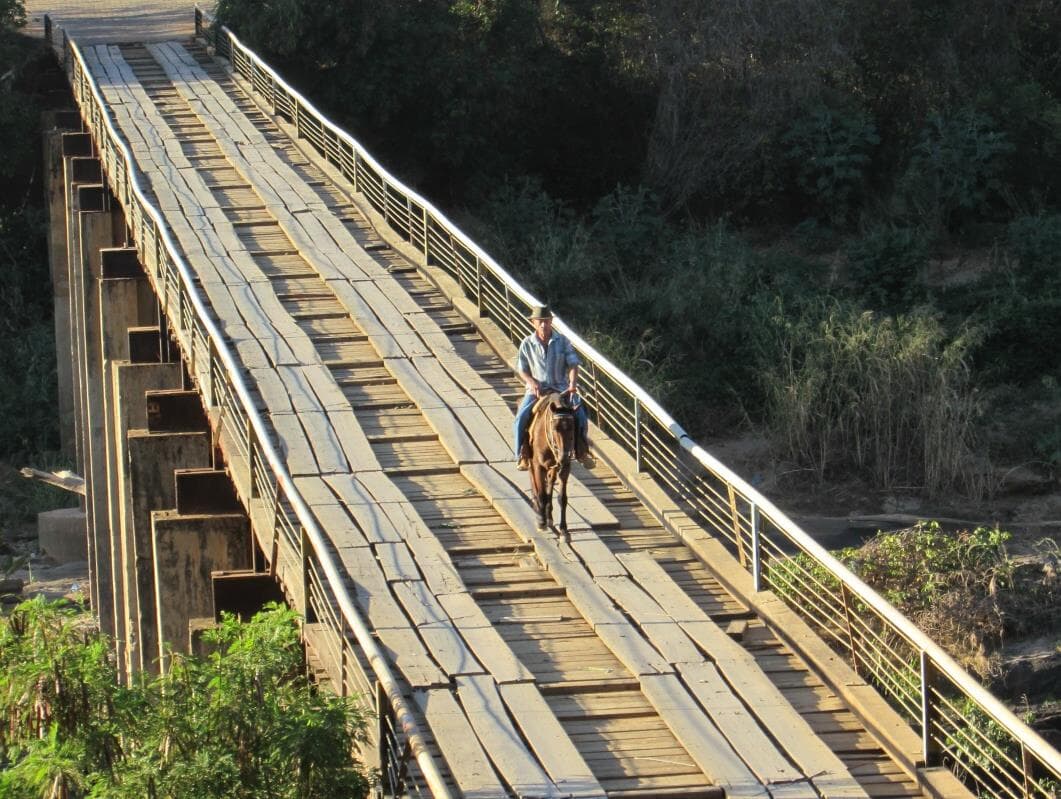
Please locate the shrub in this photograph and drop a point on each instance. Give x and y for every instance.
(956, 167)
(883, 266)
(242, 722)
(891, 397)
(1035, 243)
(831, 152)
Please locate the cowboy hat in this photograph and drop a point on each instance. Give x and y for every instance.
(540, 312)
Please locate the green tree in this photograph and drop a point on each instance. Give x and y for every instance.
(242, 722)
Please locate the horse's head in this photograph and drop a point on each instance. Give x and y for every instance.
(562, 429)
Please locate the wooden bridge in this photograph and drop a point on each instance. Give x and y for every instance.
(277, 393)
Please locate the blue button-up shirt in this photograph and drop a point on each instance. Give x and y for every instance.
(547, 363)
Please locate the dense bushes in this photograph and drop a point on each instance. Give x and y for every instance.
(241, 722)
(963, 588)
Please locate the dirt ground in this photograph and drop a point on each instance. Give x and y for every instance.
(841, 513)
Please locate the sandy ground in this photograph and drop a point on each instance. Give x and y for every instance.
(114, 21)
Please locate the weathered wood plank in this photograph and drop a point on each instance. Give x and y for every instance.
(711, 752)
(464, 755)
(437, 629)
(484, 640)
(486, 712)
(794, 734)
(550, 742)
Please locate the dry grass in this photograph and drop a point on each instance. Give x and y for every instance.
(890, 397)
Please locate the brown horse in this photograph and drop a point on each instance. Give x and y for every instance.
(552, 443)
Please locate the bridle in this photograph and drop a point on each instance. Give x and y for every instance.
(553, 435)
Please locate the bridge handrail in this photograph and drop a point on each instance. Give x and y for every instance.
(881, 641)
(99, 120)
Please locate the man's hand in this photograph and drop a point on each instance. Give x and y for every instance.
(535, 387)
(572, 389)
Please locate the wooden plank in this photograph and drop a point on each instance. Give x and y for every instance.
(464, 755)
(352, 439)
(315, 491)
(599, 559)
(763, 697)
(325, 442)
(486, 712)
(708, 749)
(663, 633)
(366, 510)
(294, 445)
(339, 528)
(397, 561)
(388, 621)
(550, 742)
(484, 640)
(437, 629)
(439, 572)
(299, 389)
(260, 325)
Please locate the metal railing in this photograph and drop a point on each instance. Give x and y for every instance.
(961, 724)
(301, 555)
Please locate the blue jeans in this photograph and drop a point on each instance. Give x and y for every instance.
(523, 417)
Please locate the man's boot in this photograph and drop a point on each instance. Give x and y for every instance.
(524, 458)
(582, 453)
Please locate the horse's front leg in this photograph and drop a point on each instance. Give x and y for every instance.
(538, 480)
(563, 498)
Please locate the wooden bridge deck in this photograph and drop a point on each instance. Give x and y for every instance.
(613, 665)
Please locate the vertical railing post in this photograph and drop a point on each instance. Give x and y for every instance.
(385, 750)
(930, 750)
(845, 597)
(424, 210)
(343, 691)
(597, 395)
(508, 314)
(304, 549)
(1027, 764)
(757, 548)
(638, 464)
(251, 442)
(211, 359)
(738, 535)
(478, 279)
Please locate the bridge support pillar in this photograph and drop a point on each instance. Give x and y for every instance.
(95, 229)
(153, 459)
(187, 548)
(55, 125)
(130, 382)
(125, 301)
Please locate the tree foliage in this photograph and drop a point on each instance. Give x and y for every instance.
(241, 722)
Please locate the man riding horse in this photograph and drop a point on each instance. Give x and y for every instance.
(548, 363)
